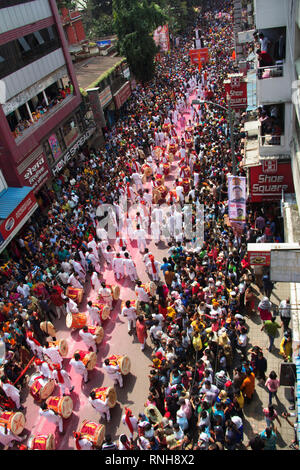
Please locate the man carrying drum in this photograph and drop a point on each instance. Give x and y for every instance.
(82, 443)
(79, 367)
(114, 372)
(100, 405)
(129, 312)
(105, 293)
(88, 338)
(62, 379)
(53, 353)
(94, 314)
(12, 392)
(51, 416)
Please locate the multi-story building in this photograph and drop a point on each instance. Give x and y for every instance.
(42, 121)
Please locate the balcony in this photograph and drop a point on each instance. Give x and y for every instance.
(273, 71)
(273, 84)
(271, 141)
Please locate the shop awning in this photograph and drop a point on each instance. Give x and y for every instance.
(16, 207)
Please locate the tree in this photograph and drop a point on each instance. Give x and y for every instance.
(135, 22)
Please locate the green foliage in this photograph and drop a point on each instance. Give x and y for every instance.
(135, 22)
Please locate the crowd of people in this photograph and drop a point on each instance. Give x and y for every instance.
(203, 373)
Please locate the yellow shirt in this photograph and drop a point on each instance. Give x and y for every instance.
(197, 343)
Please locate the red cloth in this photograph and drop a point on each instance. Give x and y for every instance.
(151, 257)
(128, 413)
(265, 314)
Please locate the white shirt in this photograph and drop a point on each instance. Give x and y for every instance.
(79, 367)
(141, 294)
(49, 415)
(99, 405)
(87, 337)
(53, 353)
(130, 313)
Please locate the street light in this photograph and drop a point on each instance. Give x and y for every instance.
(229, 111)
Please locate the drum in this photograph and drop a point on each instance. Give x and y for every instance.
(41, 388)
(62, 346)
(115, 292)
(147, 170)
(106, 392)
(150, 288)
(93, 432)
(166, 168)
(98, 331)
(123, 362)
(77, 320)
(15, 421)
(75, 294)
(158, 151)
(160, 193)
(189, 143)
(41, 442)
(89, 359)
(48, 328)
(104, 311)
(166, 127)
(172, 149)
(160, 179)
(62, 406)
(173, 196)
(186, 185)
(133, 303)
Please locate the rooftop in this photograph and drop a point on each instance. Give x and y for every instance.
(90, 70)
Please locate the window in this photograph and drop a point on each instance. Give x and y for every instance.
(80, 121)
(48, 152)
(24, 50)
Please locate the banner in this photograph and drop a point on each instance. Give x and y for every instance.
(96, 107)
(269, 180)
(55, 147)
(237, 198)
(236, 90)
(196, 53)
(161, 38)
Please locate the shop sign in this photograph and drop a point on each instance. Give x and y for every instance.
(36, 173)
(18, 217)
(268, 182)
(236, 91)
(259, 258)
(122, 95)
(105, 97)
(72, 151)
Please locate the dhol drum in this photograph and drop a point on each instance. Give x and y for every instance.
(166, 127)
(173, 196)
(41, 442)
(160, 179)
(150, 288)
(189, 143)
(61, 405)
(104, 310)
(186, 185)
(48, 328)
(159, 194)
(106, 392)
(15, 421)
(76, 320)
(147, 170)
(115, 291)
(166, 167)
(63, 347)
(94, 432)
(133, 303)
(75, 294)
(123, 362)
(172, 149)
(98, 332)
(158, 151)
(89, 359)
(40, 387)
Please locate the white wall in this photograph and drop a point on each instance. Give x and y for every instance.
(24, 14)
(272, 13)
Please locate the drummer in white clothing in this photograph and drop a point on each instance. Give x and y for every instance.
(7, 437)
(43, 368)
(53, 353)
(141, 293)
(62, 379)
(51, 416)
(88, 338)
(94, 314)
(12, 392)
(105, 293)
(129, 312)
(140, 235)
(130, 267)
(72, 307)
(100, 405)
(118, 266)
(79, 367)
(113, 372)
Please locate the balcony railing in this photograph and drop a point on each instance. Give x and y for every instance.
(273, 71)
(269, 140)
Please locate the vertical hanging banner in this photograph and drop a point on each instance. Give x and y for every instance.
(237, 199)
(161, 38)
(96, 107)
(236, 89)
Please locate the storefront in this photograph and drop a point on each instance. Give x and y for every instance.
(270, 180)
(121, 97)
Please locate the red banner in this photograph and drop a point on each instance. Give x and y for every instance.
(122, 95)
(196, 53)
(17, 216)
(236, 89)
(268, 181)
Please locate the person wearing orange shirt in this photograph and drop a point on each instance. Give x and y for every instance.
(248, 386)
